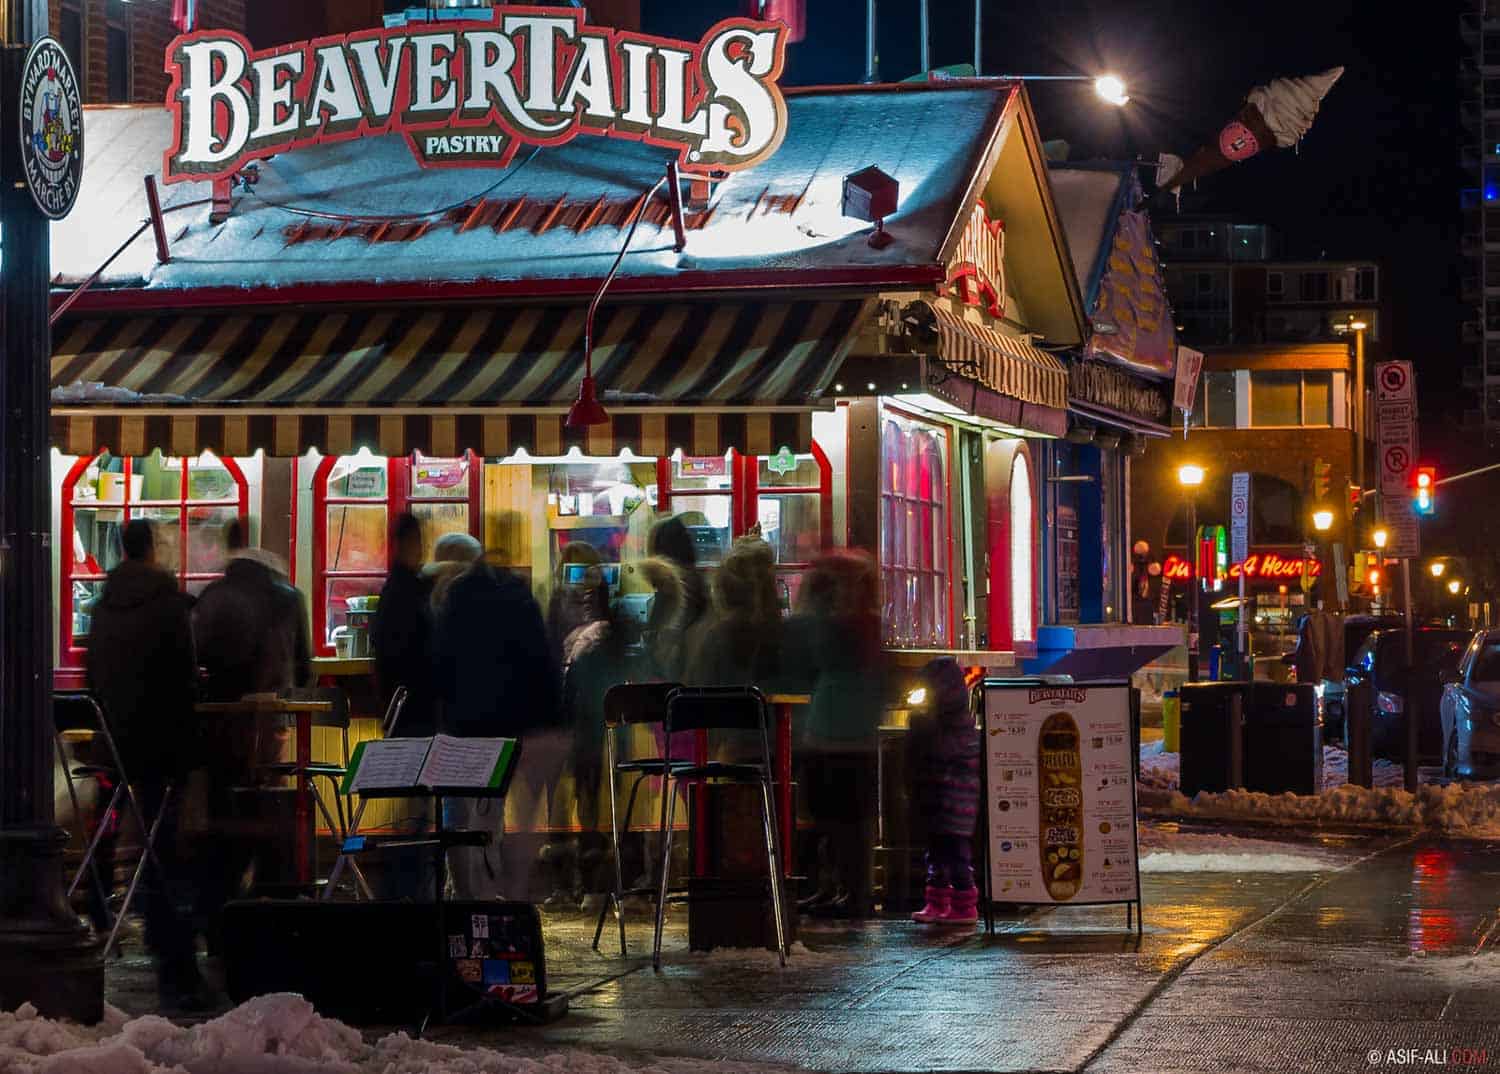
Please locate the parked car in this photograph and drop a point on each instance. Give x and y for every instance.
(1381, 663)
(1471, 711)
(1356, 629)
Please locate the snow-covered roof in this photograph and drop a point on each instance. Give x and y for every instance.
(1089, 199)
(784, 216)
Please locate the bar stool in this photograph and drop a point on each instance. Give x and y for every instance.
(722, 708)
(81, 713)
(351, 839)
(627, 705)
(316, 770)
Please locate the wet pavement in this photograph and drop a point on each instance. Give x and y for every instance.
(1371, 942)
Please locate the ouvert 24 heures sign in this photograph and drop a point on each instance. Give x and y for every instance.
(471, 93)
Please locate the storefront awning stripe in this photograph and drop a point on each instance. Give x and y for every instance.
(1003, 363)
(680, 375)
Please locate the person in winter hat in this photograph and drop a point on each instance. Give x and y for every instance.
(946, 754)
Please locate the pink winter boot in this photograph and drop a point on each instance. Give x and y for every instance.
(937, 906)
(963, 908)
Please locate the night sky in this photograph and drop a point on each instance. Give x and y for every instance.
(1378, 176)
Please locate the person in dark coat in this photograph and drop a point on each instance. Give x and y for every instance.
(402, 632)
(494, 676)
(946, 751)
(568, 603)
(142, 671)
(251, 626)
(833, 650)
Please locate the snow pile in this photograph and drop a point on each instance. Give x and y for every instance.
(1161, 770)
(1169, 861)
(276, 1034)
(1457, 809)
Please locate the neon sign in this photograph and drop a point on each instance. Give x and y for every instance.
(472, 93)
(1258, 565)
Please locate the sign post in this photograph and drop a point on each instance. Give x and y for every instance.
(1059, 801)
(1239, 551)
(1396, 449)
(47, 956)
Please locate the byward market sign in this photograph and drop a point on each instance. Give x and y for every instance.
(472, 93)
(51, 107)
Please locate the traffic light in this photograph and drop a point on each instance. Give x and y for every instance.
(1424, 496)
(1372, 578)
(1353, 498)
(1322, 478)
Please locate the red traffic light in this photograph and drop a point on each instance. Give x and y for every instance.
(1425, 488)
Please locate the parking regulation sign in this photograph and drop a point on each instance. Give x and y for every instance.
(1239, 518)
(1395, 426)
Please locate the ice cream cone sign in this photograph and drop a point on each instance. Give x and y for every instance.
(1276, 115)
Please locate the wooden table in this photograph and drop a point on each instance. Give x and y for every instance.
(264, 705)
(782, 705)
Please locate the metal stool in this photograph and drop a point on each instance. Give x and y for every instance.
(722, 708)
(387, 730)
(333, 773)
(80, 712)
(627, 705)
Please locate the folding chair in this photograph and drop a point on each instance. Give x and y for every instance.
(722, 708)
(79, 712)
(387, 729)
(628, 705)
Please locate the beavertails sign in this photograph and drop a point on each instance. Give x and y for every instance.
(472, 93)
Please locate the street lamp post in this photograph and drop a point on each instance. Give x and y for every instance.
(1358, 328)
(47, 956)
(1190, 477)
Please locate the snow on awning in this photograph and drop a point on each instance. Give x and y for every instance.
(703, 377)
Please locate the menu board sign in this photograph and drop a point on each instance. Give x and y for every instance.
(1060, 783)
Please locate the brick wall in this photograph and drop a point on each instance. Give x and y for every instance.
(150, 30)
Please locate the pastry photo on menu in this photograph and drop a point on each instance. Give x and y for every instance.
(1060, 825)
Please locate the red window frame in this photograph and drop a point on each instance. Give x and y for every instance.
(398, 498)
(71, 655)
(946, 606)
(745, 491)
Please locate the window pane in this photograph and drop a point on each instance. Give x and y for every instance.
(206, 527)
(914, 544)
(208, 479)
(358, 477)
(356, 537)
(103, 481)
(118, 63)
(700, 472)
(707, 521)
(84, 595)
(339, 591)
(96, 539)
(1275, 399)
(1218, 391)
(166, 535)
(804, 473)
(1317, 398)
(440, 478)
(792, 525)
(438, 519)
(156, 477)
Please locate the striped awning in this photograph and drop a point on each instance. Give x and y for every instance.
(703, 377)
(1004, 364)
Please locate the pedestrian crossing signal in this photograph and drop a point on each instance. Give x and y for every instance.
(1424, 496)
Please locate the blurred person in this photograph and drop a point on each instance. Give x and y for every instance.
(742, 643)
(568, 603)
(452, 555)
(671, 540)
(833, 648)
(494, 676)
(251, 631)
(401, 635)
(142, 669)
(945, 752)
(664, 638)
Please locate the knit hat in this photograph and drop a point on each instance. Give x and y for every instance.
(945, 680)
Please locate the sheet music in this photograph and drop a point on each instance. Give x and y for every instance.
(461, 762)
(389, 764)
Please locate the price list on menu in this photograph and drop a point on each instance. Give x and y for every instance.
(1061, 794)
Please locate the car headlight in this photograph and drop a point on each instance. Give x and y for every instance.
(1389, 704)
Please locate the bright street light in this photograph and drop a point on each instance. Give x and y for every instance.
(1437, 568)
(1190, 475)
(1380, 536)
(1454, 586)
(1322, 521)
(1111, 89)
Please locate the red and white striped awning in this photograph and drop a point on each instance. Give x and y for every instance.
(703, 377)
(1004, 364)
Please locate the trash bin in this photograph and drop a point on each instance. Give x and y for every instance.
(1283, 739)
(1211, 736)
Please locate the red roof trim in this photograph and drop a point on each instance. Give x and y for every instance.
(142, 299)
